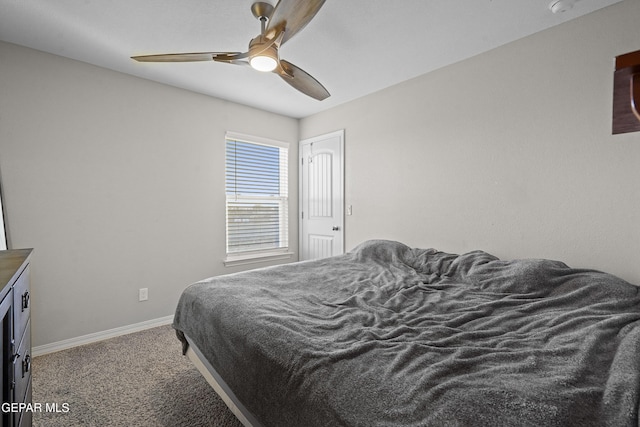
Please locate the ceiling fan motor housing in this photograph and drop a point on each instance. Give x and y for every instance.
(263, 54)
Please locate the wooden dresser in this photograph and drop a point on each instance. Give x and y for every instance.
(15, 314)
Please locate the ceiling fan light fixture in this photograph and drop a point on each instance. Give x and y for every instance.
(261, 58)
(263, 62)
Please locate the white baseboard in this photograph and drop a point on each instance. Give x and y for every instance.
(99, 336)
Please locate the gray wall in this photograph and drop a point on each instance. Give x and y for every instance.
(510, 152)
(118, 184)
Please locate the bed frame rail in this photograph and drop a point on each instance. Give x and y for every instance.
(220, 387)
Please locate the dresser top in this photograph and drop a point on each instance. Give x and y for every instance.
(12, 263)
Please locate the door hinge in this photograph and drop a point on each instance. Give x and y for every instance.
(302, 215)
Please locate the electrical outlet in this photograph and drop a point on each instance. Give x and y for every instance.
(143, 294)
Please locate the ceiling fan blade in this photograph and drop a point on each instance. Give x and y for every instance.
(232, 58)
(301, 80)
(189, 57)
(292, 16)
(232, 61)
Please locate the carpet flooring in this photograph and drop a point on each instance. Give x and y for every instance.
(140, 379)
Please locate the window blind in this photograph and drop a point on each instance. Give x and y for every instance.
(257, 196)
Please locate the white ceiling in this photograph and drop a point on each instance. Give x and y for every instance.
(353, 47)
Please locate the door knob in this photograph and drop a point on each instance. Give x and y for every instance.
(335, 228)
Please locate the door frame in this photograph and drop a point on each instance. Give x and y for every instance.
(340, 135)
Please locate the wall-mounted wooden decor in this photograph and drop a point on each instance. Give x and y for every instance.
(626, 93)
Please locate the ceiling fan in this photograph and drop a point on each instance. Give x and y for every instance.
(278, 24)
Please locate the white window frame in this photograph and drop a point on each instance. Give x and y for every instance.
(250, 257)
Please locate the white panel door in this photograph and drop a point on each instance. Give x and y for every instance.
(321, 196)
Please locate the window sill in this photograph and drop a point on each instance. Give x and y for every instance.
(245, 259)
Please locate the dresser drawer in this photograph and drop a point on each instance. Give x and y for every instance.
(21, 304)
(22, 367)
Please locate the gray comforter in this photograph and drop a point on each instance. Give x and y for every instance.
(387, 335)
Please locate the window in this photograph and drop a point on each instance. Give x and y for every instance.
(257, 198)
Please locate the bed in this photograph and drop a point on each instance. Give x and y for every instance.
(388, 335)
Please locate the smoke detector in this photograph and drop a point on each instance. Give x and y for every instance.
(559, 6)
